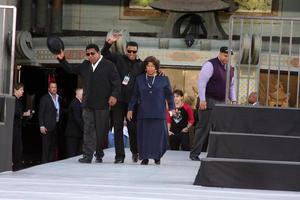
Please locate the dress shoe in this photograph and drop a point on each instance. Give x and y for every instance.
(135, 157)
(99, 160)
(145, 162)
(85, 160)
(195, 158)
(119, 161)
(157, 161)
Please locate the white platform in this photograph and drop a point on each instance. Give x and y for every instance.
(173, 179)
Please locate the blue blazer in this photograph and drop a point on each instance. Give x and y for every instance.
(151, 102)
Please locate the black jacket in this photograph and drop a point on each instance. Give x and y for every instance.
(99, 85)
(74, 126)
(19, 109)
(47, 112)
(124, 67)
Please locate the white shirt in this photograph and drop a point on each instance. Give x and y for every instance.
(56, 104)
(96, 64)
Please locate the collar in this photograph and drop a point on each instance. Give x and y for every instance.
(78, 99)
(96, 64)
(56, 96)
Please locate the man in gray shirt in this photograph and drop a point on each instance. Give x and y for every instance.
(212, 90)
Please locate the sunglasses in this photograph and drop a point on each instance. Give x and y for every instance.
(90, 54)
(131, 51)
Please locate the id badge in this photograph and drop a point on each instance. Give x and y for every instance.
(125, 80)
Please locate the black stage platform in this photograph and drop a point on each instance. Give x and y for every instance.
(256, 119)
(7, 110)
(252, 147)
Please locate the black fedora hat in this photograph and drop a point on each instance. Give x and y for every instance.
(55, 44)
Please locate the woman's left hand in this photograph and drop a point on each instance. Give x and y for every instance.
(172, 112)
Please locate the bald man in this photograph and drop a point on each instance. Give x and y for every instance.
(74, 128)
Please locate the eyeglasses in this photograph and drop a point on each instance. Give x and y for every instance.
(90, 54)
(131, 51)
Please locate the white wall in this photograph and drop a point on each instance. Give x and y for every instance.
(103, 18)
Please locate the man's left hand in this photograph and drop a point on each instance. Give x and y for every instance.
(160, 73)
(112, 101)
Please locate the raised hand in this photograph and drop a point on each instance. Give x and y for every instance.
(61, 55)
(114, 37)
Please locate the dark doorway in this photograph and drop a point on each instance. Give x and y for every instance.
(35, 81)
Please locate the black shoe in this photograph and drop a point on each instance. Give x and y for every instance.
(135, 157)
(157, 161)
(145, 162)
(119, 161)
(195, 158)
(99, 160)
(85, 160)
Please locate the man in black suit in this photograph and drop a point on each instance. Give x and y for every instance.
(74, 128)
(49, 116)
(101, 87)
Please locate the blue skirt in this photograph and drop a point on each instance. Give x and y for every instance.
(152, 135)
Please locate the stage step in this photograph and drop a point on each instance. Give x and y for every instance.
(250, 174)
(254, 146)
(256, 119)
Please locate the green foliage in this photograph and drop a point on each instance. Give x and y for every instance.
(143, 3)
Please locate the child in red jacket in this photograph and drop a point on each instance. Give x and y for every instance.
(180, 123)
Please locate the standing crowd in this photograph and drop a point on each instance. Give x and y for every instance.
(134, 92)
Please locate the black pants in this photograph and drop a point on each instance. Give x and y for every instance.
(17, 148)
(49, 141)
(73, 146)
(180, 141)
(119, 112)
(95, 131)
(203, 127)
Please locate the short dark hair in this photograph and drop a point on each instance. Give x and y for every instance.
(178, 92)
(92, 46)
(225, 50)
(132, 43)
(153, 60)
(17, 86)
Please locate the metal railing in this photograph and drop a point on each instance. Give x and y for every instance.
(8, 16)
(268, 59)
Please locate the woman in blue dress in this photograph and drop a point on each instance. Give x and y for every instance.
(151, 92)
